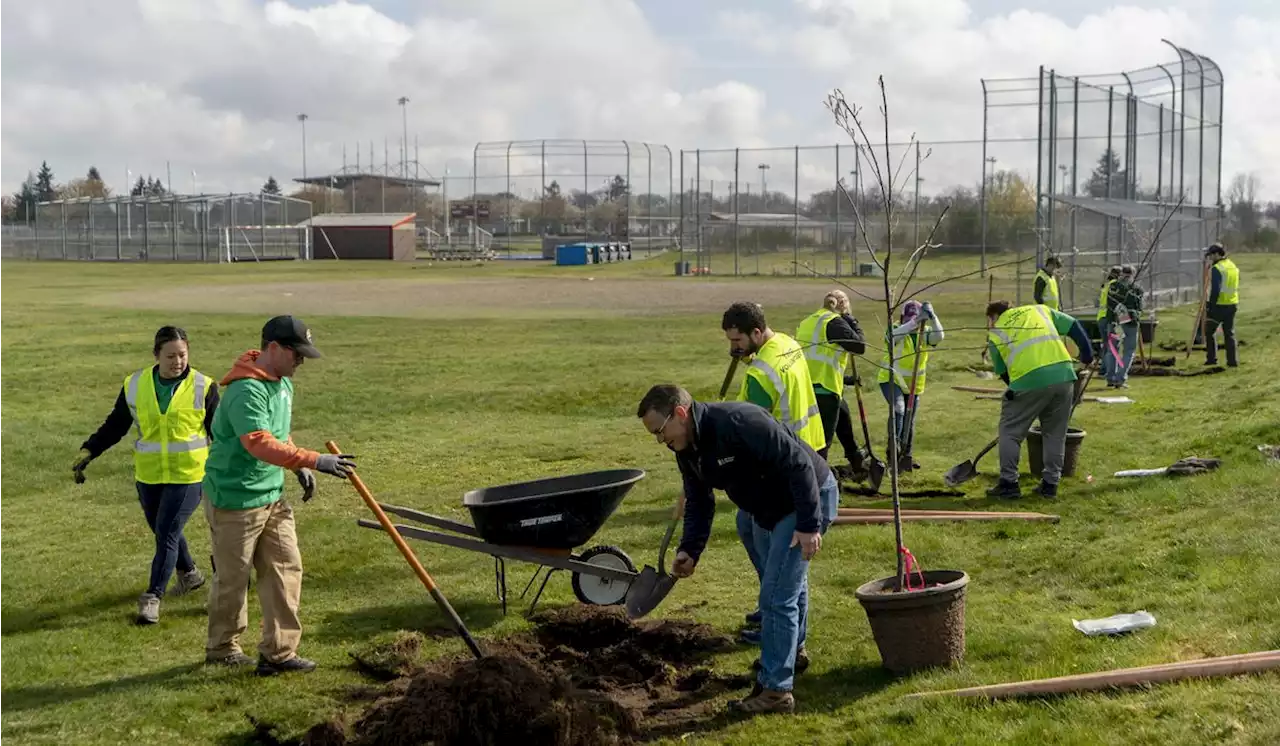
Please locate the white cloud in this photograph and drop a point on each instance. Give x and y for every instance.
(215, 85)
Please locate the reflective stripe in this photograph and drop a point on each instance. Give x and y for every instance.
(784, 399)
(131, 398)
(180, 446)
(817, 345)
(201, 381)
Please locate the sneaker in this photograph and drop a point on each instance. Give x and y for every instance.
(750, 635)
(766, 701)
(755, 618)
(235, 659)
(1006, 490)
(294, 664)
(185, 582)
(802, 663)
(148, 609)
(1044, 489)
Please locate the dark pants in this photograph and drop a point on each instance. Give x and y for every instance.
(837, 422)
(1225, 317)
(167, 508)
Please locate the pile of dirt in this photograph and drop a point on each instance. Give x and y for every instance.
(1211, 370)
(584, 676)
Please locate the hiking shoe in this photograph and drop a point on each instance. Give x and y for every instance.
(802, 665)
(750, 635)
(755, 618)
(767, 701)
(294, 664)
(185, 582)
(1006, 490)
(1044, 489)
(148, 609)
(235, 659)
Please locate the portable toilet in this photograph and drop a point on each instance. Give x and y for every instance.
(571, 255)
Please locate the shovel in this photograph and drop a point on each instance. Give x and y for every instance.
(961, 473)
(876, 467)
(651, 586)
(728, 377)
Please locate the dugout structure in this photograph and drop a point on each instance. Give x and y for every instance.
(172, 227)
(1114, 154)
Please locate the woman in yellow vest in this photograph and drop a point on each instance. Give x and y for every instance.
(895, 381)
(169, 406)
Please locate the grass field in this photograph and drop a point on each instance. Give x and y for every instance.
(445, 378)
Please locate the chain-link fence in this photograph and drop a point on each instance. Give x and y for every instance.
(208, 228)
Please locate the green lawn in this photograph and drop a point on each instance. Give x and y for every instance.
(436, 408)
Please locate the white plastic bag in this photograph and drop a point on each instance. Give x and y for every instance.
(1115, 625)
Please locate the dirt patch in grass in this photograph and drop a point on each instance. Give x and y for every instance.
(549, 297)
(584, 676)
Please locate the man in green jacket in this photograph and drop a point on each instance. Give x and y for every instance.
(251, 524)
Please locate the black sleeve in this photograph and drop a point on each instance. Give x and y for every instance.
(1038, 291)
(844, 331)
(116, 427)
(768, 443)
(1215, 285)
(210, 406)
(699, 512)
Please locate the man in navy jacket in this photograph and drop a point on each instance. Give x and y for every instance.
(781, 482)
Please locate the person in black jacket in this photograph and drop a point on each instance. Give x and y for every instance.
(168, 497)
(788, 490)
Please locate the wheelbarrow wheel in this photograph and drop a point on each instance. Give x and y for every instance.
(597, 591)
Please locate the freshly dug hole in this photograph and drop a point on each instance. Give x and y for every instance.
(584, 676)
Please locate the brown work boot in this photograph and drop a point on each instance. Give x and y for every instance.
(767, 701)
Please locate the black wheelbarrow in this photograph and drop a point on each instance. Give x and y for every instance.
(542, 522)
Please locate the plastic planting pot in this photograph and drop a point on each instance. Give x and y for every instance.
(918, 629)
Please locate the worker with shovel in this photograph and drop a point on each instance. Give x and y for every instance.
(830, 336)
(1124, 307)
(777, 379)
(1027, 352)
(789, 496)
(907, 375)
(251, 524)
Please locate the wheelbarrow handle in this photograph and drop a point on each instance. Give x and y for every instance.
(409, 556)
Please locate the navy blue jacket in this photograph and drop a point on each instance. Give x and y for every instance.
(762, 466)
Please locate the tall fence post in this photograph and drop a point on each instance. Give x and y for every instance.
(916, 237)
(736, 210)
(262, 222)
(795, 215)
(119, 248)
(982, 199)
(146, 229)
(91, 228)
(697, 208)
(63, 211)
(173, 224)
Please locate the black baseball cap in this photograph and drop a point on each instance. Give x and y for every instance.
(290, 332)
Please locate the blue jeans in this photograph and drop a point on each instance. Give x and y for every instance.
(1127, 345)
(167, 508)
(1104, 329)
(828, 506)
(897, 399)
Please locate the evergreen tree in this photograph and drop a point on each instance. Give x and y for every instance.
(45, 190)
(139, 187)
(1097, 185)
(271, 187)
(24, 203)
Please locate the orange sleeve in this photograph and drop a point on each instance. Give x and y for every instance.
(263, 446)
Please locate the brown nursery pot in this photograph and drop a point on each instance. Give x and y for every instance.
(918, 629)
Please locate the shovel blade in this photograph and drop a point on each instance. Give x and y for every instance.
(877, 473)
(960, 473)
(647, 591)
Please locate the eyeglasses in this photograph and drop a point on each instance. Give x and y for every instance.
(658, 433)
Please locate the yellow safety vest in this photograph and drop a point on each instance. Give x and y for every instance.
(1229, 295)
(904, 366)
(1102, 300)
(170, 448)
(1050, 290)
(779, 368)
(827, 361)
(1027, 340)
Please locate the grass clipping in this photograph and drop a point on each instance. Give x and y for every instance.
(584, 676)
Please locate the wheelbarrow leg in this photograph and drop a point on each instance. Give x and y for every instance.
(500, 581)
(541, 588)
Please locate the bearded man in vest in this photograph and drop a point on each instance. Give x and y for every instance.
(251, 524)
(1220, 307)
(1045, 289)
(777, 379)
(829, 336)
(1027, 352)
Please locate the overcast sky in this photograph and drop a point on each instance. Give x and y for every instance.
(215, 86)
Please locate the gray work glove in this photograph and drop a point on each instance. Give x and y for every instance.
(308, 481)
(927, 307)
(339, 465)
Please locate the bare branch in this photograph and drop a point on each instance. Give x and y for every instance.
(969, 274)
(928, 242)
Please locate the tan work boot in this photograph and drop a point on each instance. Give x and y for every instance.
(185, 582)
(767, 701)
(148, 609)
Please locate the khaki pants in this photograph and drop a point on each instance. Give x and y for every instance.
(262, 539)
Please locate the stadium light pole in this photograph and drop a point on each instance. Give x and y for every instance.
(764, 192)
(303, 118)
(404, 115)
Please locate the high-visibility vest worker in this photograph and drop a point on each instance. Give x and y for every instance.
(1106, 293)
(1229, 294)
(779, 368)
(827, 361)
(1027, 340)
(171, 445)
(904, 364)
(1049, 291)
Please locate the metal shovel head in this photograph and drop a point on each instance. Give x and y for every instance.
(877, 472)
(647, 591)
(960, 473)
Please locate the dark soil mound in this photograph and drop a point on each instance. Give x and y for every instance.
(585, 676)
